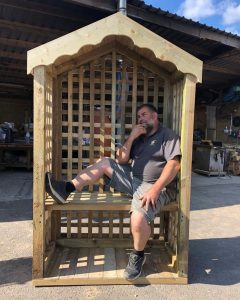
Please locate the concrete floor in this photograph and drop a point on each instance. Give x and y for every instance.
(214, 247)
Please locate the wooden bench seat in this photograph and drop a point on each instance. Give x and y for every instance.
(99, 201)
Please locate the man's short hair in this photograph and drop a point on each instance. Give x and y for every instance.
(149, 106)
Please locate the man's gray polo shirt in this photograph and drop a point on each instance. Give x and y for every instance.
(150, 154)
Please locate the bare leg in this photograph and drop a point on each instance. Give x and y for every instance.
(93, 173)
(140, 230)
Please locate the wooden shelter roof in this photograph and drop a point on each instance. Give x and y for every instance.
(122, 29)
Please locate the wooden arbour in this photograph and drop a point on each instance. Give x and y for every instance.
(87, 86)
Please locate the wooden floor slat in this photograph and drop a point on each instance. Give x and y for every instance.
(110, 266)
(68, 267)
(87, 266)
(96, 262)
(121, 260)
(83, 265)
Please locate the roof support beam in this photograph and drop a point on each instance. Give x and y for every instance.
(13, 55)
(194, 48)
(47, 10)
(107, 5)
(51, 33)
(26, 83)
(187, 27)
(13, 66)
(18, 43)
(217, 69)
(234, 53)
(15, 74)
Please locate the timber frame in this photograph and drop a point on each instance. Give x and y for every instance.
(81, 81)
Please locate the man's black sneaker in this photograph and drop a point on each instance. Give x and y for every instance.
(56, 189)
(134, 267)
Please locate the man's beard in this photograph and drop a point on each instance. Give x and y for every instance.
(148, 127)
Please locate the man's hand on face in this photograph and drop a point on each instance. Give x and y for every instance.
(149, 199)
(138, 130)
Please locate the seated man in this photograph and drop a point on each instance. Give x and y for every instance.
(155, 154)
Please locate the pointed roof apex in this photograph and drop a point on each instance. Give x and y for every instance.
(114, 26)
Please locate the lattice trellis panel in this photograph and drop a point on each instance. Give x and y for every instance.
(177, 106)
(101, 225)
(48, 124)
(99, 101)
(172, 230)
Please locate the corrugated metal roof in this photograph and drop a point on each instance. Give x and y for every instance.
(182, 19)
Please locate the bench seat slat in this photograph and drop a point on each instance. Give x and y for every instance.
(98, 201)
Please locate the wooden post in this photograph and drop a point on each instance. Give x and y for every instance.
(39, 171)
(186, 166)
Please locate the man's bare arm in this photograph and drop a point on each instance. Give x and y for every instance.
(123, 154)
(168, 174)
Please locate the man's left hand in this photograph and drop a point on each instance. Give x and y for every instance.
(149, 198)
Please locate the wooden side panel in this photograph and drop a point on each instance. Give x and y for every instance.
(106, 217)
(172, 230)
(123, 102)
(80, 118)
(48, 122)
(39, 171)
(54, 221)
(145, 87)
(167, 105)
(70, 129)
(177, 90)
(156, 92)
(57, 129)
(134, 92)
(180, 101)
(102, 119)
(186, 165)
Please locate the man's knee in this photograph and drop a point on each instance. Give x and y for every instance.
(105, 165)
(104, 161)
(137, 221)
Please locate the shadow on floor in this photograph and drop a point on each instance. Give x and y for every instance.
(16, 271)
(214, 261)
(211, 261)
(214, 196)
(18, 210)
